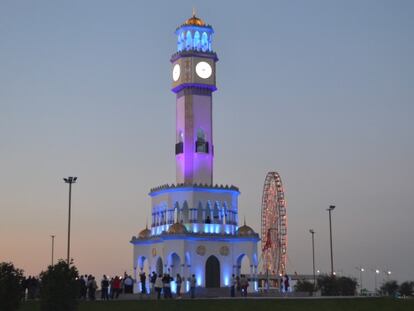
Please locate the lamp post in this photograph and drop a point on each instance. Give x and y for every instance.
(360, 269)
(375, 280)
(53, 246)
(70, 180)
(313, 256)
(330, 209)
(388, 272)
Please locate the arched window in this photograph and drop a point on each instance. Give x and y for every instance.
(201, 136)
(204, 42)
(179, 43)
(225, 213)
(197, 41)
(180, 136)
(176, 215)
(216, 213)
(201, 143)
(200, 213)
(188, 41)
(208, 213)
(184, 213)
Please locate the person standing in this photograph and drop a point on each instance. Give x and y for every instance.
(158, 284)
(244, 283)
(117, 286)
(286, 283)
(153, 277)
(128, 285)
(233, 286)
(104, 288)
(143, 279)
(83, 289)
(192, 286)
(178, 281)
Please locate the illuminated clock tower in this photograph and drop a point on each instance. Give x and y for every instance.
(195, 224)
(194, 81)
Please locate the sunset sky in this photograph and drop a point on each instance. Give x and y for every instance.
(320, 91)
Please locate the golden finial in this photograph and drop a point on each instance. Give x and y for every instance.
(194, 12)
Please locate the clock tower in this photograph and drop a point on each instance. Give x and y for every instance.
(195, 224)
(194, 81)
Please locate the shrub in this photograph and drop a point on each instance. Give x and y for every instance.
(11, 286)
(305, 287)
(389, 288)
(59, 289)
(406, 289)
(337, 286)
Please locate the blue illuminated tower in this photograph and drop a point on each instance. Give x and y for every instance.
(195, 224)
(194, 80)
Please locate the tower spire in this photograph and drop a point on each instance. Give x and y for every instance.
(194, 12)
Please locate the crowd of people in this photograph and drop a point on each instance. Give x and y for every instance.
(31, 287)
(113, 287)
(239, 283)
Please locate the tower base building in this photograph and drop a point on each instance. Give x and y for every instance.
(195, 224)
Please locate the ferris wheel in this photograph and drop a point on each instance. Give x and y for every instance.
(274, 226)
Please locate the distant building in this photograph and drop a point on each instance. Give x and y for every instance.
(195, 225)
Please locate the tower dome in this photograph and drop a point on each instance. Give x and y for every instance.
(195, 21)
(177, 228)
(144, 234)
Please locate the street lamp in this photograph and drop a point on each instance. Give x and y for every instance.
(70, 180)
(360, 269)
(330, 209)
(375, 279)
(53, 246)
(388, 273)
(313, 255)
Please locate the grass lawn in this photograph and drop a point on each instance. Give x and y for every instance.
(375, 304)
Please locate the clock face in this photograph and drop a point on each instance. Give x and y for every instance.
(176, 72)
(204, 70)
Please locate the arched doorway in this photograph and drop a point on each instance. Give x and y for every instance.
(174, 265)
(212, 272)
(159, 266)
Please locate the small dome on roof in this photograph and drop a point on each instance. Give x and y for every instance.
(245, 230)
(177, 228)
(144, 234)
(195, 21)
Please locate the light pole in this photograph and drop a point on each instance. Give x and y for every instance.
(375, 280)
(330, 209)
(388, 272)
(313, 256)
(360, 269)
(70, 180)
(53, 246)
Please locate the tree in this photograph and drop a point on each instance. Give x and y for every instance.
(406, 289)
(337, 286)
(389, 288)
(305, 287)
(328, 285)
(347, 286)
(59, 290)
(11, 286)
